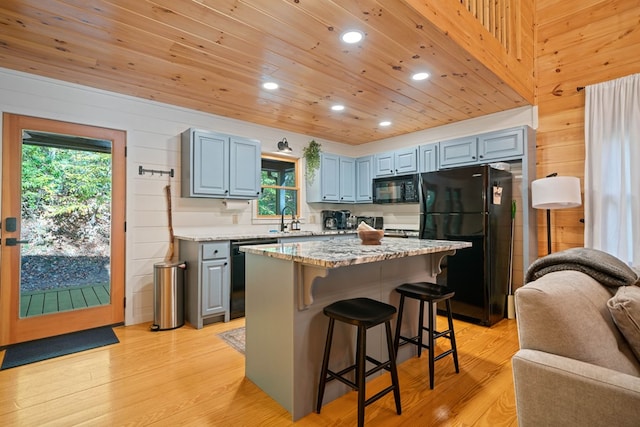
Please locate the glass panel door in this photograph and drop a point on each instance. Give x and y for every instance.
(62, 242)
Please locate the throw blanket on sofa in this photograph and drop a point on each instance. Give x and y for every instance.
(603, 267)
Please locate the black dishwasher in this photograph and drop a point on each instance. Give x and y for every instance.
(238, 274)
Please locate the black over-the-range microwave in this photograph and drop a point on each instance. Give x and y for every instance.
(396, 189)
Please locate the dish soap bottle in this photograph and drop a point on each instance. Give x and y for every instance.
(295, 224)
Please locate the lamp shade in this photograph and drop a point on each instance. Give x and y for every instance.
(557, 192)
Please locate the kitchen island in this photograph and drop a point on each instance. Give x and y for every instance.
(289, 284)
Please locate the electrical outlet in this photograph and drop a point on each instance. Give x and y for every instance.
(312, 219)
(234, 218)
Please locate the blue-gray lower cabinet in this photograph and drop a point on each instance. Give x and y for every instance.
(215, 295)
(208, 284)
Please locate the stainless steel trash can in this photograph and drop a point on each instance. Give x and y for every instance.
(168, 295)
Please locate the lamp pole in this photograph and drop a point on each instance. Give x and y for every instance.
(548, 231)
(549, 220)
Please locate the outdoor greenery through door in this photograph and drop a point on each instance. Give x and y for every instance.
(66, 217)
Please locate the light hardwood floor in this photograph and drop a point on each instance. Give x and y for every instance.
(191, 377)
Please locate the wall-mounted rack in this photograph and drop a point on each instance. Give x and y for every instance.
(142, 171)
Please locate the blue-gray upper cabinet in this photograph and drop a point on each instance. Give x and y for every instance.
(399, 162)
(364, 179)
(220, 166)
(245, 168)
(505, 144)
(428, 157)
(347, 179)
(335, 181)
(329, 181)
(458, 152)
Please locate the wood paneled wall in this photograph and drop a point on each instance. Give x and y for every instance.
(579, 42)
(512, 63)
(503, 19)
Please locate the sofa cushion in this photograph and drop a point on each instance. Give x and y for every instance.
(625, 310)
(565, 313)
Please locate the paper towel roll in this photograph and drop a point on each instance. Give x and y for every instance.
(235, 205)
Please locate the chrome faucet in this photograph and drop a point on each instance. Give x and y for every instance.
(282, 226)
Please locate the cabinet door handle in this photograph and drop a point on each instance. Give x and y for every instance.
(215, 251)
(480, 157)
(225, 263)
(473, 157)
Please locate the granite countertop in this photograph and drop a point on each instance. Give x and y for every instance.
(341, 253)
(208, 236)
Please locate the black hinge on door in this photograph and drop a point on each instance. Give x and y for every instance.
(125, 226)
(125, 302)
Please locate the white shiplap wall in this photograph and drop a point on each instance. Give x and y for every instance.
(153, 141)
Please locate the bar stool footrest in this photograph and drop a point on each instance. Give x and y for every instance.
(443, 354)
(436, 334)
(405, 340)
(378, 395)
(378, 366)
(339, 376)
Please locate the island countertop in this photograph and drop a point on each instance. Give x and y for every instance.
(342, 253)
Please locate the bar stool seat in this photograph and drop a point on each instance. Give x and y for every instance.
(430, 293)
(364, 313)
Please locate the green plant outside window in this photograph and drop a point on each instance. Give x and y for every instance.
(279, 182)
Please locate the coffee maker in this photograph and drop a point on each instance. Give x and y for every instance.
(329, 220)
(342, 218)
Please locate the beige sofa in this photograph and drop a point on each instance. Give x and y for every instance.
(574, 366)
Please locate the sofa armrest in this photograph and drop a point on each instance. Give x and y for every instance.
(553, 390)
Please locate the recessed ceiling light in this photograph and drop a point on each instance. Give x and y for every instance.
(420, 76)
(352, 36)
(385, 123)
(270, 85)
(337, 107)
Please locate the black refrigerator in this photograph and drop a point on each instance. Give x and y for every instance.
(471, 204)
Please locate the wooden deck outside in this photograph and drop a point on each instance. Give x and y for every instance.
(56, 300)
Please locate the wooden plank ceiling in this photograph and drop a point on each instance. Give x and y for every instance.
(213, 56)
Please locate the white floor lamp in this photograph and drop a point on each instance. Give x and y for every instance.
(555, 192)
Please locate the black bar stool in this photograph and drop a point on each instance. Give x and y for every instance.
(429, 293)
(363, 313)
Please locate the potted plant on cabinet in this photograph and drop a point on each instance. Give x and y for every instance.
(311, 154)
